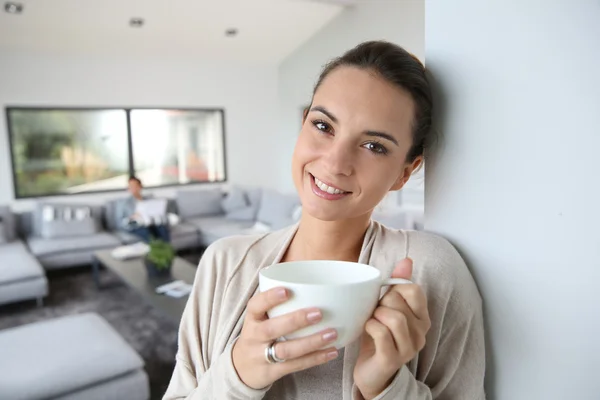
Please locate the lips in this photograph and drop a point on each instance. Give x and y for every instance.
(327, 190)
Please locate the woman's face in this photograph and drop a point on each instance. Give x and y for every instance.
(353, 145)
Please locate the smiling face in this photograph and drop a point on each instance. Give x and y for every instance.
(353, 145)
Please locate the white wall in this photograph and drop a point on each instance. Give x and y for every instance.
(248, 95)
(398, 21)
(515, 182)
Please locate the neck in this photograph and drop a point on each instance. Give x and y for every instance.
(138, 196)
(328, 240)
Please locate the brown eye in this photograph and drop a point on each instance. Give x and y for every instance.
(376, 148)
(322, 126)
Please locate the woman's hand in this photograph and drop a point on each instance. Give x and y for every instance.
(393, 336)
(259, 332)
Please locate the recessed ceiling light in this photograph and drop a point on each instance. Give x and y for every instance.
(231, 32)
(13, 8)
(136, 22)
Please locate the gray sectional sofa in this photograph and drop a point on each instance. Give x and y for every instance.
(215, 214)
(21, 275)
(31, 243)
(77, 357)
(205, 215)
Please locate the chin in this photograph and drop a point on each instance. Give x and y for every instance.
(323, 214)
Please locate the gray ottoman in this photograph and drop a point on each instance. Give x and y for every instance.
(21, 275)
(79, 357)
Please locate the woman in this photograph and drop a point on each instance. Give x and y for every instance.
(363, 135)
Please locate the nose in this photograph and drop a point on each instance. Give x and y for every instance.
(339, 159)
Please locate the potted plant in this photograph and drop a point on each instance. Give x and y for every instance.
(159, 258)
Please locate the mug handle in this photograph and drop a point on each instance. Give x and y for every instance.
(395, 281)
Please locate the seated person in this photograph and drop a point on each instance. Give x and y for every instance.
(133, 223)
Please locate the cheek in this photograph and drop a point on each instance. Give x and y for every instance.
(376, 178)
(306, 149)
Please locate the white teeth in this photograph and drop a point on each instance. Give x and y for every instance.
(328, 189)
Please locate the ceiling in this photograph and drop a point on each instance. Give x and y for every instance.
(269, 30)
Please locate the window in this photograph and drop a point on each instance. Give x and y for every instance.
(66, 151)
(177, 147)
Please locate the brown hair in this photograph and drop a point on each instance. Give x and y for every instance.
(136, 179)
(400, 68)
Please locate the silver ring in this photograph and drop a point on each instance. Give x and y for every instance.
(270, 355)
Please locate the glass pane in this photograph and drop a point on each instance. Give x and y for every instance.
(177, 146)
(68, 151)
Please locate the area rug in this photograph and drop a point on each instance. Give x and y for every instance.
(150, 333)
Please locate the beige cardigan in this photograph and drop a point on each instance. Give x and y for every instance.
(450, 367)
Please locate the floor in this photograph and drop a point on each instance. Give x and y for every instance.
(151, 334)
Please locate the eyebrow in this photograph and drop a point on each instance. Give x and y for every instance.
(323, 110)
(382, 135)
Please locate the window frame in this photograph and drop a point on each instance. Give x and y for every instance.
(131, 161)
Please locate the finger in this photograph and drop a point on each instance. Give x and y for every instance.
(308, 361)
(403, 269)
(397, 323)
(274, 328)
(393, 299)
(385, 347)
(381, 335)
(260, 303)
(415, 298)
(297, 348)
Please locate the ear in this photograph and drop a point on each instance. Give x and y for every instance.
(407, 171)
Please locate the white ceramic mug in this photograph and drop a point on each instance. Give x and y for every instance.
(345, 292)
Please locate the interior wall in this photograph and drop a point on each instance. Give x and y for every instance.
(514, 182)
(247, 93)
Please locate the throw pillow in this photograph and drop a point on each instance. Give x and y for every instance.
(249, 212)
(235, 199)
(276, 209)
(199, 203)
(59, 221)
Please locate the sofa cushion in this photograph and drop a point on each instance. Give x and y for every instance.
(247, 213)
(55, 220)
(7, 218)
(213, 228)
(17, 263)
(26, 289)
(60, 228)
(254, 196)
(276, 209)
(199, 203)
(183, 229)
(112, 210)
(235, 200)
(58, 356)
(41, 247)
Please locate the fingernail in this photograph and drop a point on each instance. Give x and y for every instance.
(281, 294)
(328, 336)
(313, 316)
(332, 354)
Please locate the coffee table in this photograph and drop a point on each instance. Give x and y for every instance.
(133, 273)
